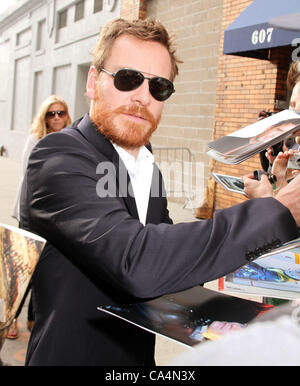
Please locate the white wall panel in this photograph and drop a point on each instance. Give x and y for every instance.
(21, 117)
(62, 82)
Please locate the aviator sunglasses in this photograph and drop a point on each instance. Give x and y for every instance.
(51, 114)
(126, 79)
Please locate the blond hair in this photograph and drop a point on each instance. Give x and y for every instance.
(39, 125)
(149, 30)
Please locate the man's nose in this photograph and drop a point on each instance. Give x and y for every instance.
(142, 94)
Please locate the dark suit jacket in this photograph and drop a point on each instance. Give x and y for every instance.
(99, 253)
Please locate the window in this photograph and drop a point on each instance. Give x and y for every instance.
(98, 5)
(41, 35)
(62, 19)
(79, 10)
(23, 38)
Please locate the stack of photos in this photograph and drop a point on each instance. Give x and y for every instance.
(251, 140)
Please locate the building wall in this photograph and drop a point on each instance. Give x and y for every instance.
(188, 117)
(245, 86)
(45, 48)
(133, 9)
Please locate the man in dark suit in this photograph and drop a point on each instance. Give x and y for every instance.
(111, 241)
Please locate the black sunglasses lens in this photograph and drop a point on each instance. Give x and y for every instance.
(51, 114)
(127, 80)
(161, 88)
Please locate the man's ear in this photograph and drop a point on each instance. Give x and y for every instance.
(91, 83)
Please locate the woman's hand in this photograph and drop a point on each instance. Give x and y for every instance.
(279, 168)
(270, 155)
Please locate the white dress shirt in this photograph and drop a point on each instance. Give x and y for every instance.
(140, 171)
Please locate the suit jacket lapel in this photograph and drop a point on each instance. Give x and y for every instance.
(123, 180)
(104, 147)
(155, 197)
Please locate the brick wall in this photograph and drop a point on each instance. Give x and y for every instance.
(133, 9)
(245, 86)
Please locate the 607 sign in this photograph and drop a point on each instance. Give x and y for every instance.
(262, 36)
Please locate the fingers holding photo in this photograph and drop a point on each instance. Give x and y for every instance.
(257, 189)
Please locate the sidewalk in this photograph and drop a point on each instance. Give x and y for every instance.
(14, 351)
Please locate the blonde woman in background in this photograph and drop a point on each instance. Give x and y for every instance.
(52, 116)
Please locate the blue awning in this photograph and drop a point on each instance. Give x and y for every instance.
(252, 32)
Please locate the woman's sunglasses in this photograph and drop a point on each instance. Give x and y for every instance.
(51, 114)
(128, 80)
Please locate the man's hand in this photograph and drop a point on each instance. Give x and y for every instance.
(289, 196)
(257, 189)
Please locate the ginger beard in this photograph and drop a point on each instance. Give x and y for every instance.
(121, 130)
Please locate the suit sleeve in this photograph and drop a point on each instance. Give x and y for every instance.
(101, 237)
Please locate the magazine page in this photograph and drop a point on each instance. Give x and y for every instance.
(250, 140)
(272, 275)
(190, 316)
(292, 245)
(19, 253)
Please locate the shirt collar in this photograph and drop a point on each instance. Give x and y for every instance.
(144, 157)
